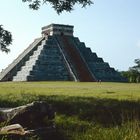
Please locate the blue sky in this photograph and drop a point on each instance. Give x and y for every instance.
(111, 28)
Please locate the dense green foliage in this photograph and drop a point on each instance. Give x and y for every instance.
(58, 5)
(84, 111)
(5, 39)
(133, 74)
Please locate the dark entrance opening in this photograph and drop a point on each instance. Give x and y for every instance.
(62, 33)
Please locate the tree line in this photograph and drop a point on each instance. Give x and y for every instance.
(133, 73)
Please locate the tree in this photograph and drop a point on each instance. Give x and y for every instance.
(137, 66)
(58, 5)
(136, 70)
(133, 74)
(5, 39)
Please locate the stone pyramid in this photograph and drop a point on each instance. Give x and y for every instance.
(59, 56)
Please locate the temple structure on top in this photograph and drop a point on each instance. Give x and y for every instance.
(57, 29)
(59, 56)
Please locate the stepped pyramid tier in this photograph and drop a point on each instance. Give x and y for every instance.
(59, 56)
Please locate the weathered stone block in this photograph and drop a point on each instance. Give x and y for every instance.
(34, 115)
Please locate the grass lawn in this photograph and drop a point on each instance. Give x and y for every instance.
(120, 91)
(84, 111)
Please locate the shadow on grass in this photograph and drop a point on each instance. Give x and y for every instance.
(104, 111)
(48, 136)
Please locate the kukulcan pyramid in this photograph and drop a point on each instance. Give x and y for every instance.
(59, 56)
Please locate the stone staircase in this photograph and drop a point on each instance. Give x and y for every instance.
(8, 73)
(46, 63)
(25, 69)
(78, 64)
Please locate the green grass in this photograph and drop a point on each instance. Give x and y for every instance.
(84, 111)
(119, 91)
(76, 129)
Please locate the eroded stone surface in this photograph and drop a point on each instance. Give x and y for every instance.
(31, 116)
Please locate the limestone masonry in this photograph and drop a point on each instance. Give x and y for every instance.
(59, 56)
